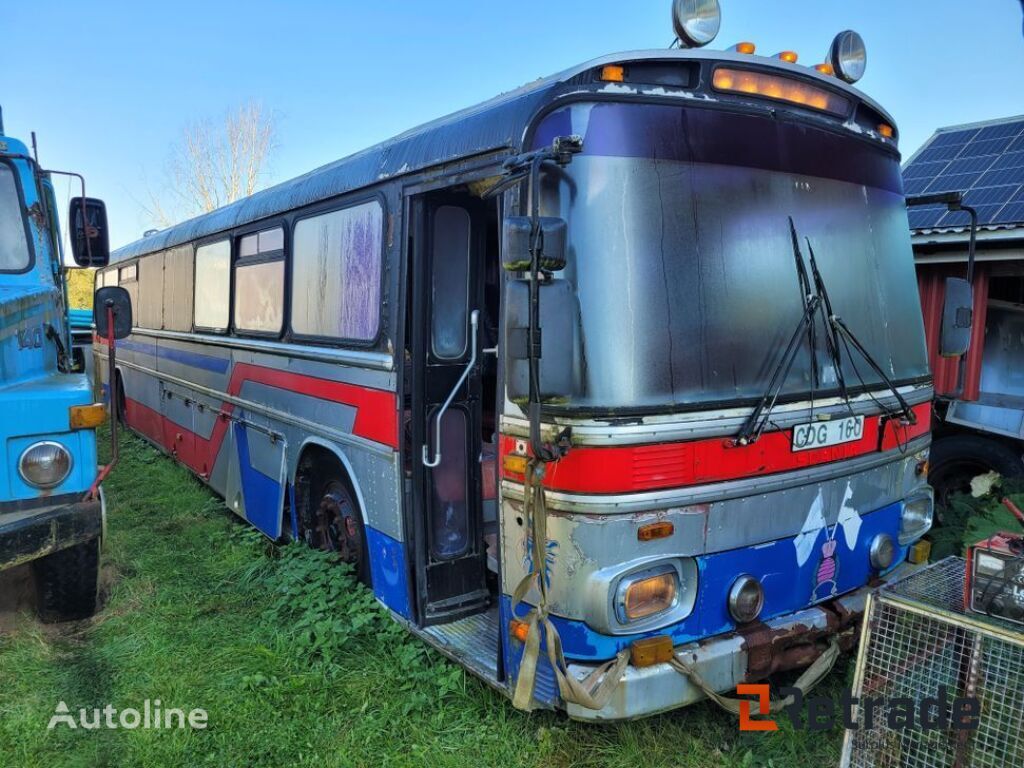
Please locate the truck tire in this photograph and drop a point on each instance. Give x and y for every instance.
(67, 583)
(955, 460)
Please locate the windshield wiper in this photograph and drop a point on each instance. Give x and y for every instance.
(758, 418)
(838, 327)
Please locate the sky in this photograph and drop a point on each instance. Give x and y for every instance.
(109, 86)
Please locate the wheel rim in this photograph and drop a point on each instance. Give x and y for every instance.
(952, 477)
(336, 526)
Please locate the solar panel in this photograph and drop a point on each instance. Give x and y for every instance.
(986, 163)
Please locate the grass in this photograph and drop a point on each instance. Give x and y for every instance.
(296, 664)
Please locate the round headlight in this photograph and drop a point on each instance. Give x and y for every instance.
(882, 551)
(696, 21)
(45, 465)
(848, 56)
(746, 599)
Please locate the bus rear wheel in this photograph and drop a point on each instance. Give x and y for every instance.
(956, 460)
(332, 522)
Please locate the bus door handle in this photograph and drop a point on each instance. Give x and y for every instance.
(474, 321)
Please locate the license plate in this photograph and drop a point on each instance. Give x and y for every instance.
(820, 434)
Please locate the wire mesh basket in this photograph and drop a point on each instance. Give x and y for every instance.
(918, 637)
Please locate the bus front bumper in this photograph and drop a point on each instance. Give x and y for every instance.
(787, 642)
(33, 533)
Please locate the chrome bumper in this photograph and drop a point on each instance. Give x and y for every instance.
(728, 660)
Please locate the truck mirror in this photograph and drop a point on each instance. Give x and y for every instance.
(115, 298)
(516, 243)
(957, 317)
(558, 365)
(90, 239)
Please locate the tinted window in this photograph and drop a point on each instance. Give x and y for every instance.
(336, 273)
(450, 281)
(213, 285)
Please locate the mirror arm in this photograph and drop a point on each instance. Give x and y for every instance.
(85, 220)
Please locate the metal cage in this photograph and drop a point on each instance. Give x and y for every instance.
(917, 636)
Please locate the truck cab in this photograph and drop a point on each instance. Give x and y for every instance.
(51, 506)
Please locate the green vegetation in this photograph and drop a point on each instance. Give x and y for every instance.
(80, 288)
(296, 664)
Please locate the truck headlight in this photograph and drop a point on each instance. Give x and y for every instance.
(45, 464)
(917, 515)
(647, 593)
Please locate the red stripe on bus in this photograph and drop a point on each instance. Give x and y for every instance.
(376, 415)
(671, 465)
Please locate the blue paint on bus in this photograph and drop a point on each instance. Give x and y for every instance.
(389, 572)
(183, 356)
(262, 494)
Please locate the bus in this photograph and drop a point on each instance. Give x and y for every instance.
(612, 388)
(52, 511)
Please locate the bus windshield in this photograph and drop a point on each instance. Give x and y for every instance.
(683, 263)
(14, 253)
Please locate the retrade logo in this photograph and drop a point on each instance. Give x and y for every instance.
(821, 713)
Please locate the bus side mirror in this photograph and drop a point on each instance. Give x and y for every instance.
(957, 317)
(90, 239)
(558, 365)
(116, 298)
(516, 243)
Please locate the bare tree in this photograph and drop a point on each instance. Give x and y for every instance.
(215, 163)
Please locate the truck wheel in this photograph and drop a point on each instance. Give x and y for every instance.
(956, 460)
(67, 582)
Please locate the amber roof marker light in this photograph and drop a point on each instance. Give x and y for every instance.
(696, 22)
(848, 56)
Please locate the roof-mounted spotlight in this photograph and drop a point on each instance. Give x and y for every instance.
(696, 22)
(848, 56)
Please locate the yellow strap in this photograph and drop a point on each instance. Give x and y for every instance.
(810, 677)
(596, 689)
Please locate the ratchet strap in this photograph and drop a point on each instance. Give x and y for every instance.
(596, 689)
(810, 677)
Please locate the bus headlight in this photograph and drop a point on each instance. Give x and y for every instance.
(882, 552)
(917, 515)
(696, 22)
(45, 464)
(848, 56)
(647, 593)
(746, 599)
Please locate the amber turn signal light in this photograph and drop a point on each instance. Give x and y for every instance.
(519, 630)
(514, 463)
(747, 48)
(920, 552)
(825, 69)
(613, 73)
(886, 130)
(652, 531)
(87, 416)
(788, 56)
(651, 650)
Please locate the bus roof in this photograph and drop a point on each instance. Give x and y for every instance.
(497, 124)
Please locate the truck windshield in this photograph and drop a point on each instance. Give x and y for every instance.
(682, 258)
(14, 253)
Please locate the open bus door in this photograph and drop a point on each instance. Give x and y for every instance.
(447, 340)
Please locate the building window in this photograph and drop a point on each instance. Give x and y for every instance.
(336, 273)
(259, 283)
(213, 286)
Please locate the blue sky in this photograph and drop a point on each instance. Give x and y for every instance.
(108, 86)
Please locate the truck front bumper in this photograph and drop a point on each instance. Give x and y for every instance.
(723, 662)
(35, 532)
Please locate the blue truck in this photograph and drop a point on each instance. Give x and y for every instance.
(51, 504)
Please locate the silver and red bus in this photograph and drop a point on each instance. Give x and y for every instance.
(613, 388)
